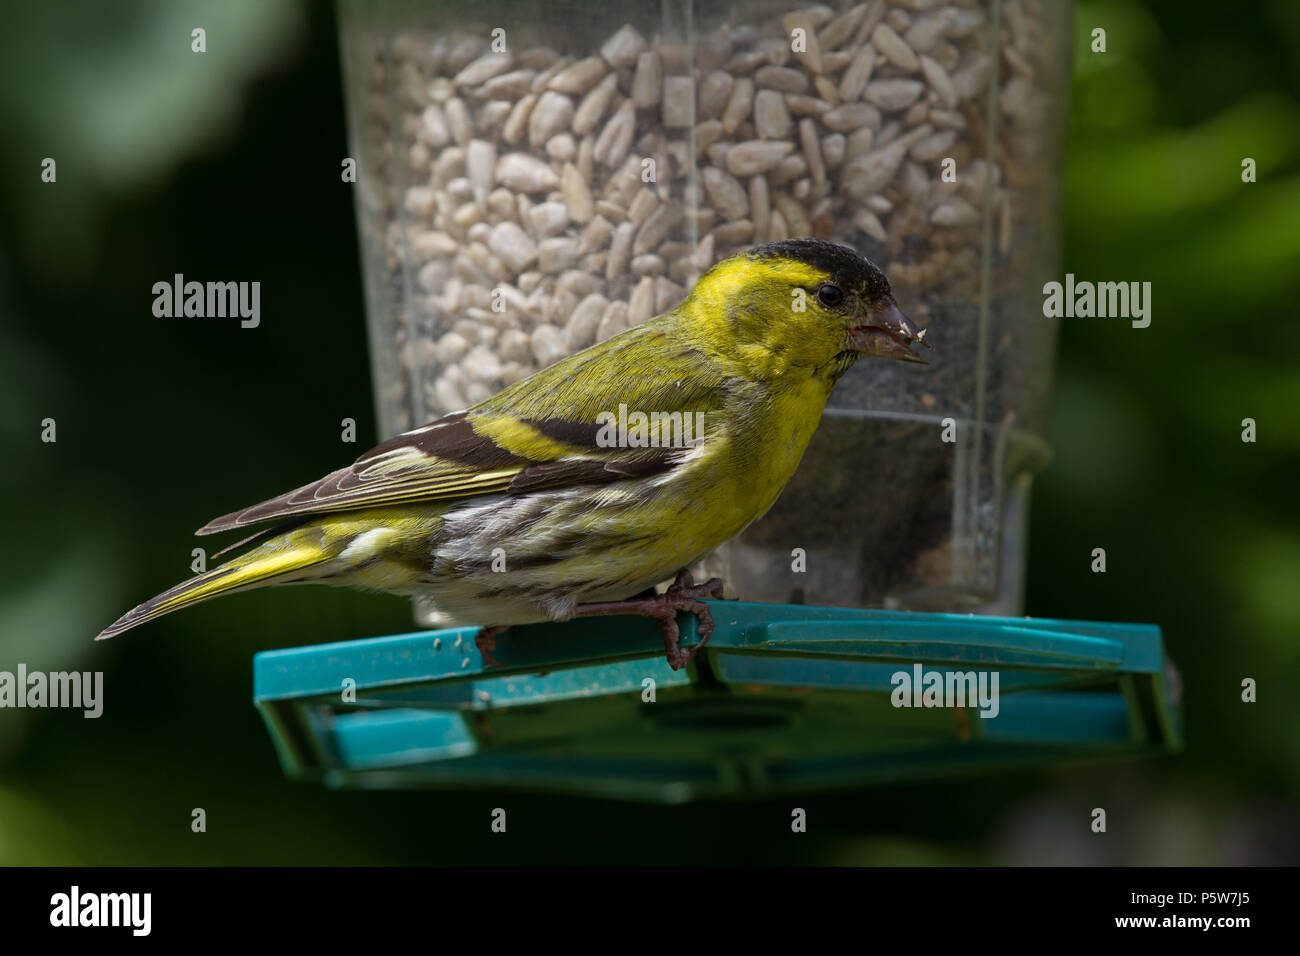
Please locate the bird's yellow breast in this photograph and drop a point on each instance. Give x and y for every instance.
(741, 473)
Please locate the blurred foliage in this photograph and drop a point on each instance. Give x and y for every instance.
(1201, 529)
(226, 165)
(115, 94)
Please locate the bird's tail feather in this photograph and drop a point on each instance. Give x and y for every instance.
(263, 566)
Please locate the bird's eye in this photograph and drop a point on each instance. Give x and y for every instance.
(830, 296)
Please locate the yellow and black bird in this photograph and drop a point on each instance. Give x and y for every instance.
(584, 516)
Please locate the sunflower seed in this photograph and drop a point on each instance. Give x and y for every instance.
(939, 81)
(509, 86)
(771, 118)
(733, 233)
(851, 116)
(480, 161)
(562, 147)
(579, 77)
(647, 81)
(954, 212)
(832, 148)
(678, 102)
(434, 126)
(949, 119)
(556, 254)
(512, 245)
(868, 174)
(581, 330)
(715, 93)
(550, 344)
(778, 229)
(553, 112)
(577, 197)
(782, 78)
(706, 134)
(613, 321)
(756, 156)
(644, 204)
(745, 62)
(525, 174)
(615, 139)
(726, 194)
(642, 304)
(517, 122)
(894, 49)
(483, 69)
(842, 27)
(648, 264)
(429, 244)
(824, 87)
(857, 74)
(788, 170)
(620, 251)
(801, 105)
(869, 223)
(514, 345)
(667, 294)
(543, 79)
(548, 219)
(934, 146)
(458, 121)
(812, 150)
(894, 94)
(594, 105)
(739, 104)
(925, 32)
(622, 49)
(656, 227)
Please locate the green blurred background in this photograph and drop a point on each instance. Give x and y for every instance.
(227, 166)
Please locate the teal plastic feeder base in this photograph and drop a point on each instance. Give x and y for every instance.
(783, 699)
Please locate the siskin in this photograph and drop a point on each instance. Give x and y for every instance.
(575, 491)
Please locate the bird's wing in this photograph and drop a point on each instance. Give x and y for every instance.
(542, 432)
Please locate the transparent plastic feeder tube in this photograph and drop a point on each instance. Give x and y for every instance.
(536, 177)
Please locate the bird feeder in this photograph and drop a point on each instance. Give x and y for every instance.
(782, 699)
(533, 178)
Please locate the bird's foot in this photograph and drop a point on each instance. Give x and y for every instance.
(683, 595)
(486, 642)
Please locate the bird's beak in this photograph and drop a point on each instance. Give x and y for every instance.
(885, 332)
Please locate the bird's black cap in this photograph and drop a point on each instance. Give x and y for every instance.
(845, 266)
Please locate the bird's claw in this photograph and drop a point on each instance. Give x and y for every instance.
(682, 595)
(685, 595)
(685, 585)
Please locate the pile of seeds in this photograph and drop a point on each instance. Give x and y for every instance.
(534, 201)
